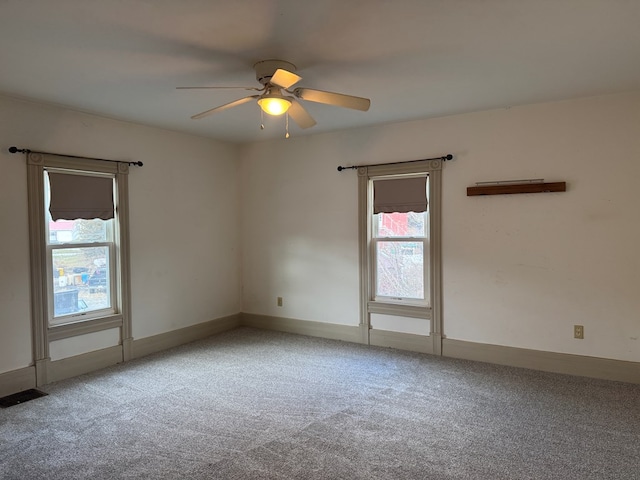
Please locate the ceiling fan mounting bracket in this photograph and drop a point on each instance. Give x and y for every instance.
(266, 68)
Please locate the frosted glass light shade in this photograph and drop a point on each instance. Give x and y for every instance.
(274, 105)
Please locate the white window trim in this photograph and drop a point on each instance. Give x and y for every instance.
(43, 334)
(368, 305)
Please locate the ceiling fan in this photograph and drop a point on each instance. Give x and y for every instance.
(276, 78)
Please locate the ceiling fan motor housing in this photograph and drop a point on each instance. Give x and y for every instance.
(266, 68)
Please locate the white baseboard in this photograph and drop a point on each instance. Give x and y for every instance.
(333, 331)
(80, 364)
(157, 343)
(593, 367)
(25, 378)
(401, 341)
(16, 381)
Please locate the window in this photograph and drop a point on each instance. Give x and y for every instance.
(79, 251)
(400, 250)
(399, 234)
(80, 264)
(400, 257)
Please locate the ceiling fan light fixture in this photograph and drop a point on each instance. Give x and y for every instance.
(274, 105)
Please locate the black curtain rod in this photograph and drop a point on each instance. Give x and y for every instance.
(26, 150)
(444, 158)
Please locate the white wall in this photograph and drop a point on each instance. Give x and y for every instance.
(519, 270)
(184, 220)
(299, 229)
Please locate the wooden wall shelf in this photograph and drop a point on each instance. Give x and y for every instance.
(517, 188)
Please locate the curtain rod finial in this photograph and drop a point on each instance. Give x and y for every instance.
(21, 150)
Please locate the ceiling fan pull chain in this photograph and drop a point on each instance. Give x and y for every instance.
(286, 121)
(261, 120)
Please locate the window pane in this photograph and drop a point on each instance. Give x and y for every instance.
(81, 280)
(78, 231)
(399, 224)
(400, 271)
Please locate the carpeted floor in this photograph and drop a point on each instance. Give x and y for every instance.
(253, 404)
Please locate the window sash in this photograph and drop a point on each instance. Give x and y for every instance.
(376, 297)
(375, 238)
(54, 320)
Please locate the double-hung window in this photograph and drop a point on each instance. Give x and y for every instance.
(400, 251)
(80, 267)
(81, 256)
(400, 247)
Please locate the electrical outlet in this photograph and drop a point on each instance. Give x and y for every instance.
(578, 331)
(279, 301)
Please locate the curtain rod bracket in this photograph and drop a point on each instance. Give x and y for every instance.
(26, 150)
(443, 158)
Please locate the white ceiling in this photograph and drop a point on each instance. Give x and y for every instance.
(412, 58)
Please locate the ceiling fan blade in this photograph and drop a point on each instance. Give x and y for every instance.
(208, 88)
(300, 115)
(235, 103)
(330, 98)
(284, 79)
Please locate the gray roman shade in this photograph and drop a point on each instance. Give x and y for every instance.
(400, 195)
(80, 197)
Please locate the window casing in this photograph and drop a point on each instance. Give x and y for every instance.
(102, 245)
(423, 303)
